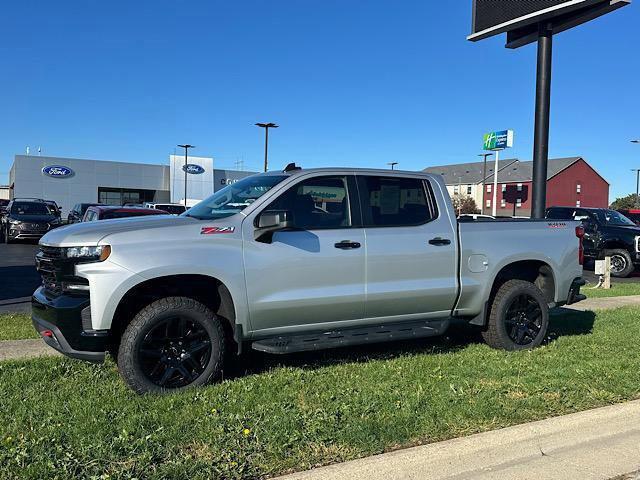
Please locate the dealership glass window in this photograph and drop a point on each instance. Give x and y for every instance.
(120, 196)
(317, 203)
(395, 202)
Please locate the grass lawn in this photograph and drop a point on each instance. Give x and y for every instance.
(617, 290)
(16, 326)
(65, 419)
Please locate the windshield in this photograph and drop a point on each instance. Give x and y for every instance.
(612, 217)
(234, 198)
(30, 208)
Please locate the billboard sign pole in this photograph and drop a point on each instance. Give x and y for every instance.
(528, 22)
(496, 142)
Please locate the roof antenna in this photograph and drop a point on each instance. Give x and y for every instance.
(292, 167)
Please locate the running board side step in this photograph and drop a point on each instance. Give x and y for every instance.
(353, 336)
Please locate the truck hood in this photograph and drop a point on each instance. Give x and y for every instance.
(90, 233)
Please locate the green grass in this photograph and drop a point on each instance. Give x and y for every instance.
(617, 290)
(16, 326)
(61, 418)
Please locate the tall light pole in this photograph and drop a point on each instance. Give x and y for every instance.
(266, 127)
(637, 203)
(186, 147)
(484, 177)
(392, 164)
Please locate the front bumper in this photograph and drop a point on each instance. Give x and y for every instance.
(59, 320)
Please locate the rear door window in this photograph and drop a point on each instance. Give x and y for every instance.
(395, 201)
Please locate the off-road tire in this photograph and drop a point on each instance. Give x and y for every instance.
(152, 315)
(628, 268)
(495, 334)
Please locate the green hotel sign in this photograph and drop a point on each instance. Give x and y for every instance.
(498, 140)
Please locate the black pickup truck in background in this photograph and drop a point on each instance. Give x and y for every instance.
(607, 233)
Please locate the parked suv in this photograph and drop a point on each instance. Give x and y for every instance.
(28, 219)
(77, 212)
(172, 208)
(607, 234)
(294, 261)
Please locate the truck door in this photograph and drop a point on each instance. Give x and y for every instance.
(312, 273)
(411, 249)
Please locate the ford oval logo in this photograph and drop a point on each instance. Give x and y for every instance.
(57, 171)
(193, 169)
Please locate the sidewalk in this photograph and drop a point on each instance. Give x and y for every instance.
(596, 444)
(605, 303)
(24, 349)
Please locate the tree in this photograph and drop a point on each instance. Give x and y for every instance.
(464, 205)
(625, 203)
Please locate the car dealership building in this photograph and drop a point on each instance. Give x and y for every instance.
(69, 181)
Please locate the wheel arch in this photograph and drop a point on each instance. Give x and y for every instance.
(207, 290)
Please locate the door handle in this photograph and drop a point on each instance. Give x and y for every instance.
(439, 242)
(347, 245)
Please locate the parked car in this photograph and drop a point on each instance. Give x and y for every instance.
(76, 214)
(633, 215)
(607, 233)
(294, 261)
(111, 212)
(172, 208)
(27, 219)
(3, 206)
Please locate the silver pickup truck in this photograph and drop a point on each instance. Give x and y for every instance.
(294, 261)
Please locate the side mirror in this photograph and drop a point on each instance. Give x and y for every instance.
(272, 221)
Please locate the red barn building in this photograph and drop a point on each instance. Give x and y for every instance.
(570, 182)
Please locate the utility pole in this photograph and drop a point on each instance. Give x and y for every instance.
(266, 127)
(543, 108)
(392, 164)
(186, 147)
(484, 177)
(637, 199)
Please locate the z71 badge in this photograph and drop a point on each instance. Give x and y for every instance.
(216, 230)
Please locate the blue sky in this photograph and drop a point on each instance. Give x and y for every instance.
(350, 82)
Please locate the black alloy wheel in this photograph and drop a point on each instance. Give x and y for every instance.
(175, 352)
(523, 320)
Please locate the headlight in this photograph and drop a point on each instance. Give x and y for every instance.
(55, 221)
(14, 222)
(88, 254)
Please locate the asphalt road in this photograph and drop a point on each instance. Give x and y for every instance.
(18, 276)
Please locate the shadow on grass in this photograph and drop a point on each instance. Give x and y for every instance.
(563, 322)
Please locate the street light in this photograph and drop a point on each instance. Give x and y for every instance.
(186, 147)
(484, 176)
(392, 164)
(266, 127)
(636, 203)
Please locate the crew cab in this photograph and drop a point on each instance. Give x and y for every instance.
(294, 261)
(607, 234)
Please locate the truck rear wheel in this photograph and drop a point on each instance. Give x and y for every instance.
(172, 344)
(621, 262)
(519, 317)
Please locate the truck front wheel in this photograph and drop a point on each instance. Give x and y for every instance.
(172, 344)
(519, 317)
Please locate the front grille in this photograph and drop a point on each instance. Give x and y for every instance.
(57, 271)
